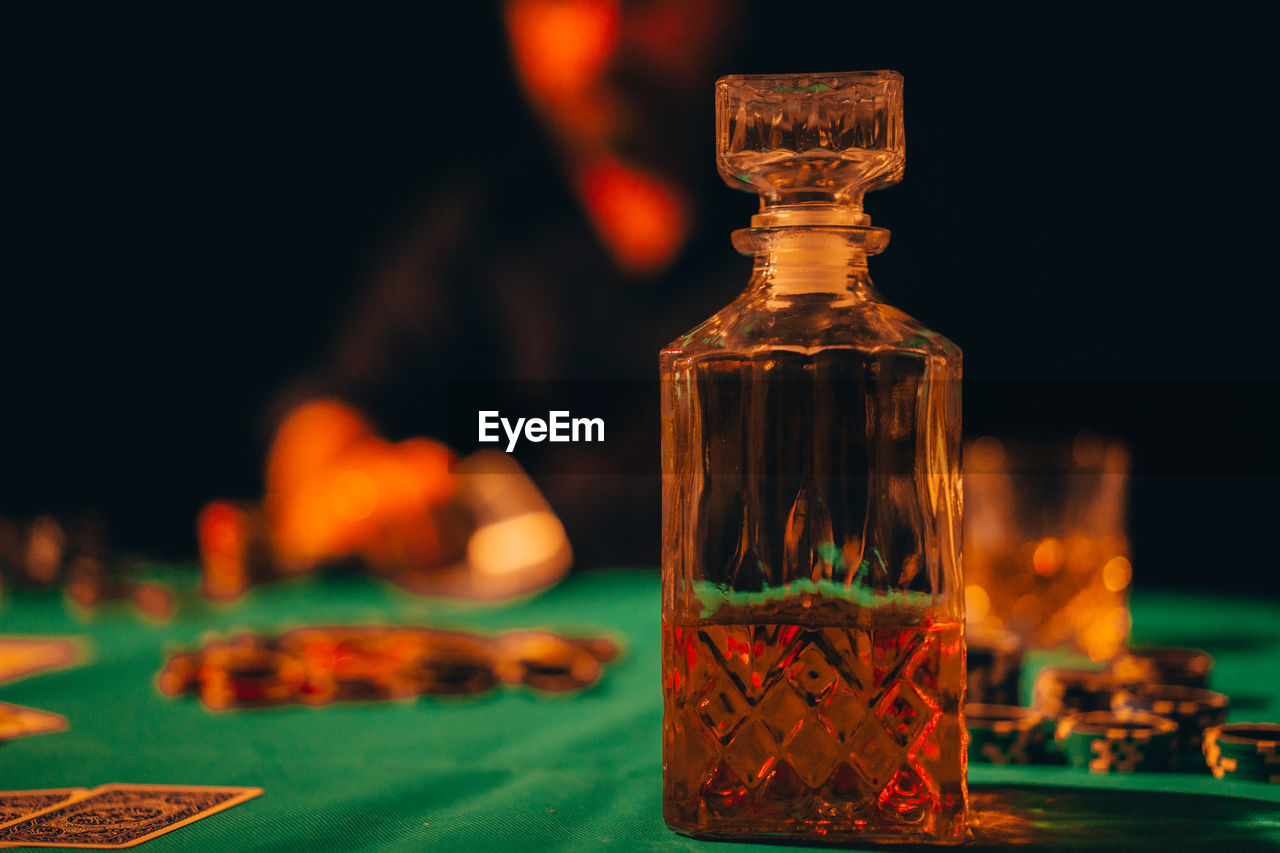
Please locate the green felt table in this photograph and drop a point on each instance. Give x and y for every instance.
(519, 770)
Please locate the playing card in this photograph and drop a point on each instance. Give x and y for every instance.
(17, 721)
(15, 805)
(114, 816)
(21, 656)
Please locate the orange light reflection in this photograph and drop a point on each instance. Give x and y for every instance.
(641, 217)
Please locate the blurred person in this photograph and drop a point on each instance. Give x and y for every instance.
(573, 256)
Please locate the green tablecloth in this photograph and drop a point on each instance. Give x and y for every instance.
(515, 769)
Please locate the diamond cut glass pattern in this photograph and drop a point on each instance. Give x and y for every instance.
(808, 729)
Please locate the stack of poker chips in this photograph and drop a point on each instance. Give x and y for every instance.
(1006, 734)
(1151, 710)
(315, 666)
(1194, 709)
(1106, 741)
(1249, 751)
(1163, 665)
(1059, 692)
(993, 662)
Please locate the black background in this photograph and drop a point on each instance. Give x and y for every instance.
(197, 198)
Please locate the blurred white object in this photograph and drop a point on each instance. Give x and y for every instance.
(517, 544)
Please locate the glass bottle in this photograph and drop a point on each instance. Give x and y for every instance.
(813, 607)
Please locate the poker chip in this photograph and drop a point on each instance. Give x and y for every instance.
(1194, 709)
(547, 662)
(1058, 692)
(181, 674)
(1247, 751)
(1163, 665)
(993, 661)
(1004, 734)
(248, 675)
(455, 665)
(602, 649)
(1117, 741)
(353, 665)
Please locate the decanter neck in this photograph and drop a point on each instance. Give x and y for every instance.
(799, 259)
(828, 213)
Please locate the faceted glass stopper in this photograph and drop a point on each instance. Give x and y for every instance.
(812, 139)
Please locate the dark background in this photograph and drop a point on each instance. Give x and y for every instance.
(197, 198)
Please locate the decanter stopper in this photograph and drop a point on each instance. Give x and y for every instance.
(810, 144)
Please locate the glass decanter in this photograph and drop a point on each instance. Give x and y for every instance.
(813, 602)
